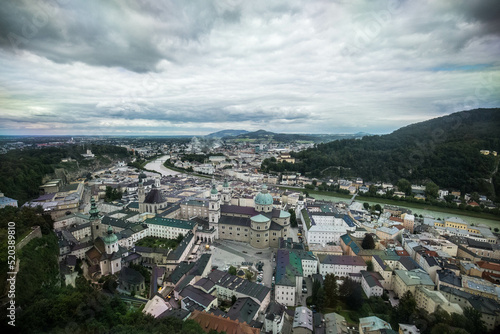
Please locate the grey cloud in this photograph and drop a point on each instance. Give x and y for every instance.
(121, 34)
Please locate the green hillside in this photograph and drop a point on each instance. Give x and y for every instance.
(445, 150)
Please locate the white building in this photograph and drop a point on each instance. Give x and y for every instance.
(341, 266)
(370, 282)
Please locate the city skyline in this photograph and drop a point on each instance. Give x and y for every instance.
(164, 69)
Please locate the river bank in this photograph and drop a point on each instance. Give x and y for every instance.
(417, 208)
(157, 166)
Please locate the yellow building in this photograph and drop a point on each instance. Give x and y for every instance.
(409, 280)
(430, 300)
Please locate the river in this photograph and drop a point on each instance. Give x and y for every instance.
(157, 166)
(423, 212)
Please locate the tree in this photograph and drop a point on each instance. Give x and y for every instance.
(179, 238)
(369, 266)
(368, 242)
(232, 271)
(233, 299)
(406, 307)
(355, 299)
(496, 229)
(320, 299)
(112, 194)
(404, 185)
(293, 218)
(346, 288)
(378, 208)
(331, 291)
(474, 322)
(366, 206)
(431, 190)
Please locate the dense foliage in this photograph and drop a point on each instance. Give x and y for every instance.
(263, 135)
(155, 242)
(46, 307)
(201, 158)
(368, 242)
(444, 150)
(112, 194)
(24, 218)
(23, 171)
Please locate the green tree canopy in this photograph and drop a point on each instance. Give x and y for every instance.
(232, 270)
(404, 185)
(431, 190)
(331, 291)
(368, 242)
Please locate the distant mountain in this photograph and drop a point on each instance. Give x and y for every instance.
(291, 137)
(226, 133)
(445, 150)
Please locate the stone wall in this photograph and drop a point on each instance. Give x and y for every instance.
(35, 233)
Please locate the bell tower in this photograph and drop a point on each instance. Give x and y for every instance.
(226, 193)
(95, 220)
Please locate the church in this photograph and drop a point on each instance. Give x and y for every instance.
(261, 225)
(106, 255)
(154, 201)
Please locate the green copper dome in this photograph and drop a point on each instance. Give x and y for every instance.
(214, 190)
(226, 184)
(110, 238)
(263, 197)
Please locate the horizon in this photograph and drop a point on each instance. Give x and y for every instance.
(194, 68)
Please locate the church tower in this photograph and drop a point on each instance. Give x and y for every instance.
(140, 191)
(214, 207)
(110, 241)
(226, 193)
(95, 220)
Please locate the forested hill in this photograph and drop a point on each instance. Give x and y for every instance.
(23, 171)
(445, 150)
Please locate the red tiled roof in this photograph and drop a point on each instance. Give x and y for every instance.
(489, 265)
(210, 321)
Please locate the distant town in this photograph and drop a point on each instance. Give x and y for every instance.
(192, 229)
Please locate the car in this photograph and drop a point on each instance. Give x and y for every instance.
(304, 290)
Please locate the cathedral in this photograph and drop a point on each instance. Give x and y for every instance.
(261, 225)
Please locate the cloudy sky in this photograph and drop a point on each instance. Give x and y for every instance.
(193, 67)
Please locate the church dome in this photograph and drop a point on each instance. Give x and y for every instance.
(110, 238)
(214, 190)
(263, 197)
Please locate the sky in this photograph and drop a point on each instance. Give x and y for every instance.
(152, 67)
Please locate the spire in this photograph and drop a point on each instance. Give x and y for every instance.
(94, 211)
